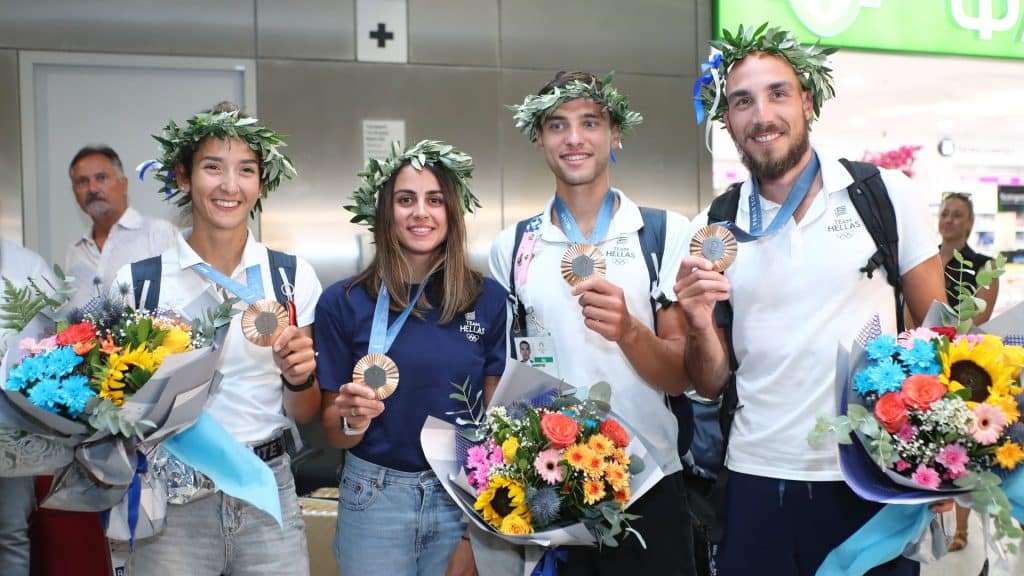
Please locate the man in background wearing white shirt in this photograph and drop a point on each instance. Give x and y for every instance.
(119, 235)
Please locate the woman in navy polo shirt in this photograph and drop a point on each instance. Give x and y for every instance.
(418, 308)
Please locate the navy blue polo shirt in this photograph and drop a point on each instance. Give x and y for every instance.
(430, 356)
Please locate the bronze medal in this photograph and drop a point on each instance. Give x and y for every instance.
(378, 372)
(581, 261)
(714, 243)
(263, 322)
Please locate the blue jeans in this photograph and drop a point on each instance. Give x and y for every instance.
(218, 534)
(393, 523)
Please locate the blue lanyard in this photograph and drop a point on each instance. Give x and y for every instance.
(251, 292)
(795, 197)
(381, 335)
(572, 230)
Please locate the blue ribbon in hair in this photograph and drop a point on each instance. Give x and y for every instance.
(706, 79)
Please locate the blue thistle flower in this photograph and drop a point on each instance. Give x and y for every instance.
(882, 347)
(517, 410)
(1016, 432)
(543, 504)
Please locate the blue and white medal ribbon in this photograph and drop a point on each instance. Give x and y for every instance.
(375, 369)
(583, 259)
(718, 242)
(264, 320)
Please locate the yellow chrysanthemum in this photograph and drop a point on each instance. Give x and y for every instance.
(112, 385)
(593, 465)
(619, 457)
(593, 491)
(616, 476)
(502, 497)
(576, 455)
(622, 496)
(978, 366)
(1009, 455)
(516, 525)
(509, 448)
(1008, 405)
(600, 444)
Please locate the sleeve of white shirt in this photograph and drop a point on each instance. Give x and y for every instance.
(501, 257)
(914, 221)
(307, 292)
(677, 241)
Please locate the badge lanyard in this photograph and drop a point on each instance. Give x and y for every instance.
(251, 292)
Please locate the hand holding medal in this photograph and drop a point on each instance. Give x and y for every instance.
(376, 369)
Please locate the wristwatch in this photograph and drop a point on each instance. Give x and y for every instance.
(299, 387)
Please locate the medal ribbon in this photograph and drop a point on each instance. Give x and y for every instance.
(795, 197)
(572, 230)
(251, 291)
(383, 336)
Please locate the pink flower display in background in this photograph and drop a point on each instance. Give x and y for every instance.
(901, 159)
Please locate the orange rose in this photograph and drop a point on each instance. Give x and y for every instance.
(891, 411)
(560, 429)
(615, 432)
(920, 390)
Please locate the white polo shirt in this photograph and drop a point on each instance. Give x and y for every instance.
(796, 296)
(584, 357)
(134, 237)
(250, 402)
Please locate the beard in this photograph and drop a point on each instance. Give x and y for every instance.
(772, 168)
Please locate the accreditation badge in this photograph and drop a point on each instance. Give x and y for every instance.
(537, 352)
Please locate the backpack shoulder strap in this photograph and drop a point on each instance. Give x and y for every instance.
(518, 310)
(146, 282)
(871, 199)
(652, 244)
(724, 207)
(282, 274)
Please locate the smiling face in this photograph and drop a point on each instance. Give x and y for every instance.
(577, 140)
(420, 214)
(224, 184)
(768, 115)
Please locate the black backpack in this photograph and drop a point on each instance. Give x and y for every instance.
(871, 200)
(652, 244)
(148, 271)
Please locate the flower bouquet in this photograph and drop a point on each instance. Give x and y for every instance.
(540, 468)
(934, 413)
(108, 386)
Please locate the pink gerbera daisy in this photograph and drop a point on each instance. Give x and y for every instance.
(907, 337)
(547, 466)
(988, 424)
(926, 477)
(954, 458)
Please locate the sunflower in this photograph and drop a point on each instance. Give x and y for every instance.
(502, 497)
(112, 382)
(516, 524)
(980, 367)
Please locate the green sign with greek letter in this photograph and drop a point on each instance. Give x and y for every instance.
(993, 28)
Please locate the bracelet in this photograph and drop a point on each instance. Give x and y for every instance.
(349, 431)
(299, 387)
